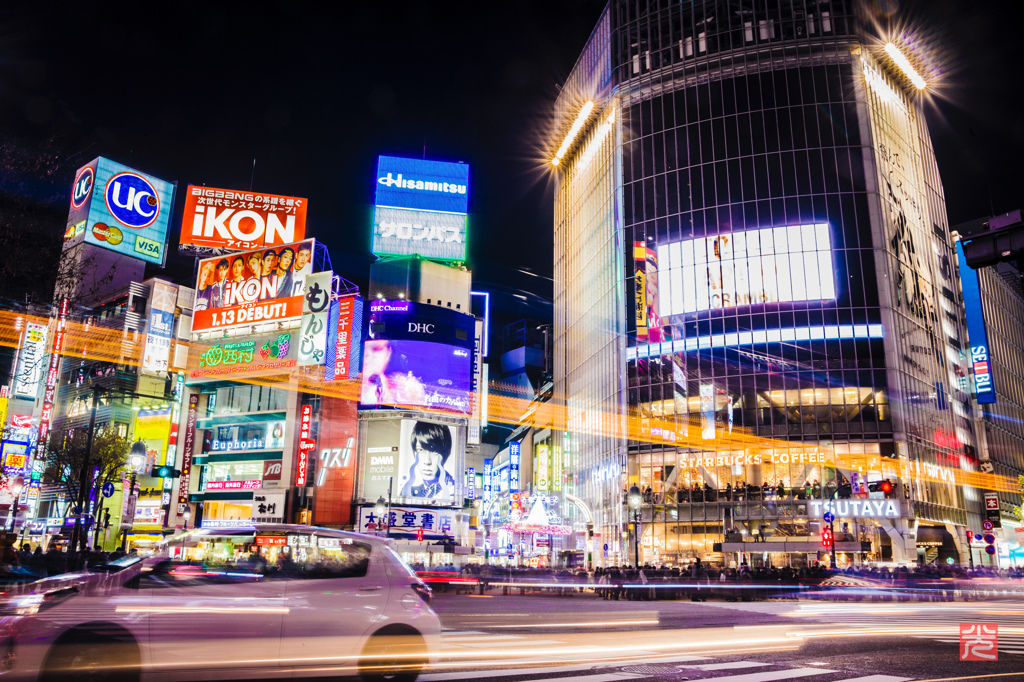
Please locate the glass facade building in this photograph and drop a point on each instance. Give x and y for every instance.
(757, 308)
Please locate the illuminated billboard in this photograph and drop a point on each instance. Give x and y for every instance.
(423, 460)
(228, 220)
(120, 209)
(30, 361)
(431, 234)
(422, 184)
(404, 373)
(977, 334)
(160, 327)
(252, 287)
(772, 265)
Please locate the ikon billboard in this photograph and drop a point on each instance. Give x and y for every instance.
(120, 209)
(225, 220)
(252, 287)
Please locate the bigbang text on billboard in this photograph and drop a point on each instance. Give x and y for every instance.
(415, 374)
(252, 287)
(234, 220)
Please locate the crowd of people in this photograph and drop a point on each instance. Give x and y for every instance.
(700, 582)
(30, 563)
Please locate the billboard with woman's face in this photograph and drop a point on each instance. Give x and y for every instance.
(252, 287)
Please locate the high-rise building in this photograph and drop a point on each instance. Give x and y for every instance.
(758, 316)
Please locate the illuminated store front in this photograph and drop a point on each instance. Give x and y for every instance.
(787, 326)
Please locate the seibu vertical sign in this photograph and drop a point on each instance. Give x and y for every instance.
(306, 446)
(186, 451)
(976, 331)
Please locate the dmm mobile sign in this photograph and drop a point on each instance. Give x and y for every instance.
(227, 220)
(252, 287)
(120, 209)
(977, 334)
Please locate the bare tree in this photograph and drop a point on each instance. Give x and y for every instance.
(67, 455)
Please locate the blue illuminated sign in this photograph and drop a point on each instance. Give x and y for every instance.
(513, 461)
(423, 185)
(122, 210)
(977, 337)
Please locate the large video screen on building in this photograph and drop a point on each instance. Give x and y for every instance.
(431, 234)
(405, 373)
(423, 458)
(422, 184)
(252, 287)
(772, 265)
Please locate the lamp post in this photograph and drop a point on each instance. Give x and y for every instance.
(136, 461)
(634, 498)
(187, 515)
(16, 489)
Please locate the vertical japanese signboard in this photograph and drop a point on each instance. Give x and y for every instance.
(471, 483)
(488, 472)
(315, 311)
(514, 450)
(187, 446)
(159, 328)
(348, 341)
(52, 374)
(306, 446)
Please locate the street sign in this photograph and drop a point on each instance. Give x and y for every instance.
(987, 525)
(829, 517)
(990, 549)
(990, 539)
(108, 489)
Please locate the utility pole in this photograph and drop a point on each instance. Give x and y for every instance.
(78, 534)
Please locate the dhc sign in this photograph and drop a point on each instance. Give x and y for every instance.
(981, 361)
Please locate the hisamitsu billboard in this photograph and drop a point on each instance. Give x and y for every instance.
(421, 184)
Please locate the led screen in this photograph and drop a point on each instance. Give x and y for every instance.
(402, 373)
(421, 184)
(404, 232)
(773, 265)
(422, 460)
(252, 287)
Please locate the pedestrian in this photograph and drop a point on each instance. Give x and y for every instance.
(56, 561)
(10, 556)
(38, 562)
(26, 554)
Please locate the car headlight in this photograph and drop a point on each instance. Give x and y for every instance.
(31, 604)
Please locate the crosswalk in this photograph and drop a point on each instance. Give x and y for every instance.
(584, 664)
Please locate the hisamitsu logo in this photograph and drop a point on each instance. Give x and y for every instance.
(83, 187)
(132, 200)
(425, 185)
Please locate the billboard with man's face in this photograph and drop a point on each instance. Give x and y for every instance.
(423, 459)
(252, 287)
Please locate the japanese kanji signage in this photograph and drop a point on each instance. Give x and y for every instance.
(252, 287)
(514, 451)
(348, 347)
(268, 507)
(187, 446)
(52, 374)
(254, 353)
(435, 523)
(315, 313)
(229, 220)
(306, 445)
(159, 328)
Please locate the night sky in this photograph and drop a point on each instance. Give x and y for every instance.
(315, 91)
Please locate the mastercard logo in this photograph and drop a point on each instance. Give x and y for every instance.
(107, 233)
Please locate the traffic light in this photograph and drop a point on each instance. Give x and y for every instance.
(883, 486)
(419, 535)
(826, 538)
(166, 471)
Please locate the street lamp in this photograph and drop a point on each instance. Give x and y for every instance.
(136, 461)
(381, 508)
(187, 514)
(16, 491)
(634, 498)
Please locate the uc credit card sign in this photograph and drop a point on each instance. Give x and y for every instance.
(120, 209)
(421, 184)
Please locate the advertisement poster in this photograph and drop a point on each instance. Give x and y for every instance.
(423, 459)
(707, 411)
(227, 220)
(263, 352)
(772, 265)
(404, 232)
(120, 209)
(416, 374)
(315, 312)
(252, 287)
(645, 266)
(160, 328)
(435, 523)
(30, 361)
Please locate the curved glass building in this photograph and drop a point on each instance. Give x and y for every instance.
(758, 315)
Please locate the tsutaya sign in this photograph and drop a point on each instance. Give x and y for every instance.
(889, 509)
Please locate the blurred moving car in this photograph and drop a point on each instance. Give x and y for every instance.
(262, 601)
